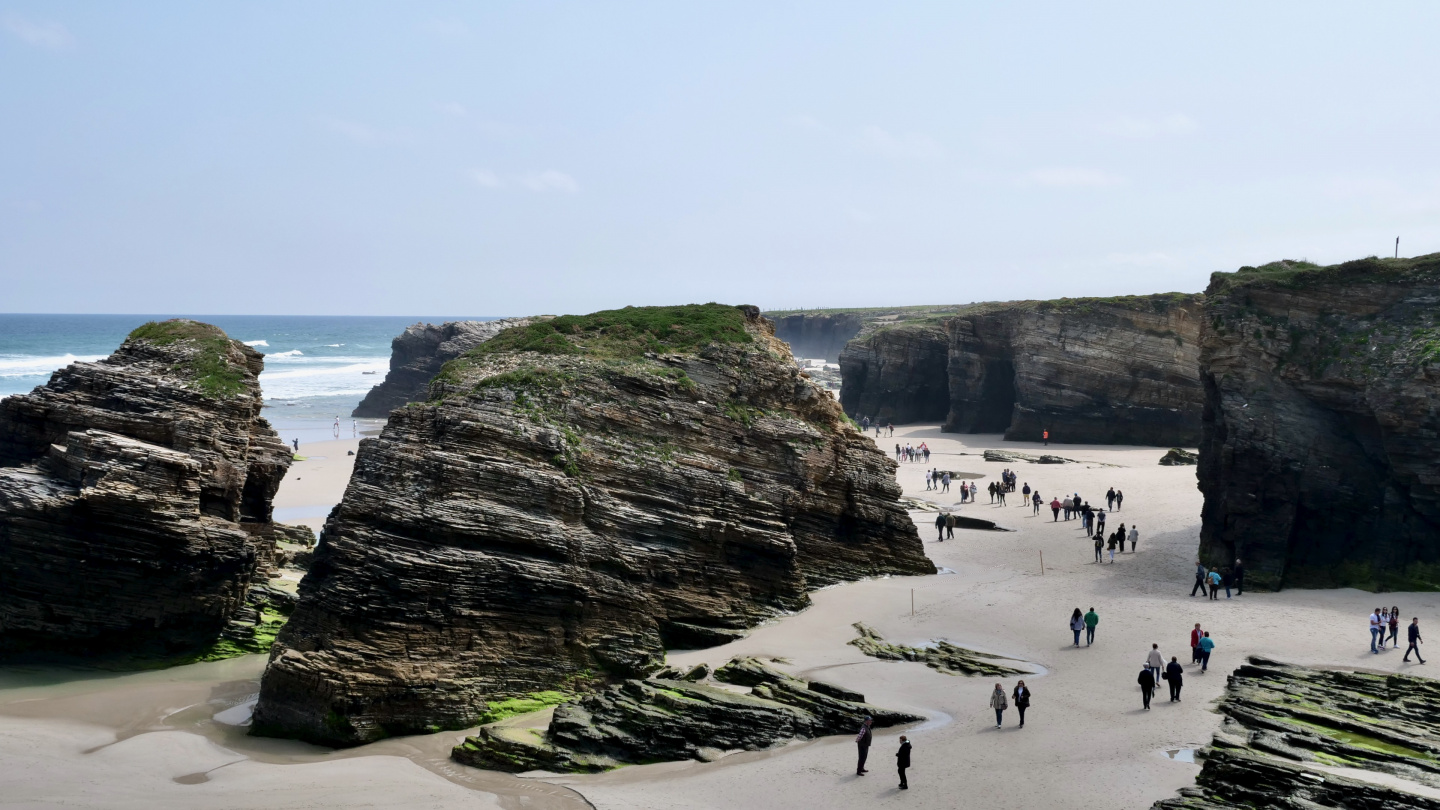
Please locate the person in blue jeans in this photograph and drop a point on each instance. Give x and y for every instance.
(1077, 623)
(1091, 619)
(1374, 630)
(1206, 645)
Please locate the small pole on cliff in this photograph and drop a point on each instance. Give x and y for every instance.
(1042, 563)
(1397, 247)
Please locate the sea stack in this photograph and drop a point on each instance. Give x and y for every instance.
(135, 497)
(1322, 424)
(574, 497)
(1118, 370)
(417, 355)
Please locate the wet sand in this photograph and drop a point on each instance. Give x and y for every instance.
(154, 739)
(313, 486)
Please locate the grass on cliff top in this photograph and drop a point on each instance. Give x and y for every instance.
(209, 365)
(628, 332)
(1293, 273)
(1159, 303)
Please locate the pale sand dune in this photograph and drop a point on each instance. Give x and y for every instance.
(1086, 743)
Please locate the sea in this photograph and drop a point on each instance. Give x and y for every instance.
(317, 368)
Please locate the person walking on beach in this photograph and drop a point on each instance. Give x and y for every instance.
(949, 526)
(889, 430)
(1001, 495)
(1099, 548)
(1021, 696)
(940, 526)
(1206, 645)
(1155, 661)
(1046, 437)
(1036, 500)
(1111, 544)
(1067, 505)
(1175, 676)
(297, 445)
(1214, 578)
(1195, 636)
(1091, 619)
(1413, 632)
(1134, 539)
(1121, 536)
(1374, 629)
(1055, 506)
(998, 703)
(1025, 493)
(1077, 623)
(1119, 500)
(862, 744)
(1147, 685)
(927, 479)
(945, 482)
(1394, 626)
(902, 761)
(1199, 579)
(1238, 574)
(1110, 498)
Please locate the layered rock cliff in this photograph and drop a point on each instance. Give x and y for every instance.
(818, 334)
(135, 497)
(1322, 423)
(1105, 370)
(574, 497)
(418, 354)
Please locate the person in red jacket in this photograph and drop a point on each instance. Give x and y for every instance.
(1195, 636)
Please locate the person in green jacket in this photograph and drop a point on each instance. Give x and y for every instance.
(1091, 619)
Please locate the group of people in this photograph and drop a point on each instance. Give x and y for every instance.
(866, 424)
(1382, 620)
(1116, 539)
(909, 453)
(937, 480)
(862, 744)
(1156, 670)
(1214, 579)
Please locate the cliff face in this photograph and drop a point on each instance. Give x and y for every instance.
(1322, 424)
(1116, 370)
(417, 355)
(575, 496)
(818, 334)
(135, 497)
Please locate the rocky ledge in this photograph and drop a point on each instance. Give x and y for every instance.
(418, 354)
(1089, 370)
(660, 720)
(1322, 424)
(574, 497)
(943, 656)
(1282, 720)
(135, 501)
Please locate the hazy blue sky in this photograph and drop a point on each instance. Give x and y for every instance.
(512, 158)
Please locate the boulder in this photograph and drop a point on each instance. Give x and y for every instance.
(1176, 457)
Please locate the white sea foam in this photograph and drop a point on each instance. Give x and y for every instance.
(291, 353)
(22, 365)
(256, 343)
(333, 345)
(332, 376)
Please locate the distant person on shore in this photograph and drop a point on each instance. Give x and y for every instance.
(1214, 578)
(1000, 493)
(1374, 629)
(1206, 645)
(354, 429)
(1225, 581)
(1026, 491)
(1394, 627)
(1121, 536)
(1055, 506)
(865, 424)
(897, 451)
(1099, 549)
(999, 704)
(1110, 498)
(927, 480)
(1175, 676)
(1100, 521)
(1046, 437)
(940, 526)
(1068, 505)
(1239, 576)
(945, 482)
(296, 442)
(1021, 696)
(1155, 661)
(1134, 539)
(1413, 632)
(949, 526)
(1036, 500)
(1119, 499)
(1195, 643)
(1147, 685)
(1077, 623)
(1111, 544)
(1199, 578)
(902, 761)
(889, 430)
(862, 744)
(1091, 620)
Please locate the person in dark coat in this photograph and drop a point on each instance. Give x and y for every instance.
(940, 526)
(862, 742)
(1238, 575)
(1147, 686)
(902, 761)
(1021, 696)
(1175, 676)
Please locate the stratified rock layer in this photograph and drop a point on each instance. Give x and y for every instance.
(418, 354)
(943, 656)
(661, 720)
(818, 334)
(1322, 424)
(135, 497)
(1282, 720)
(1101, 371)
(576, 496)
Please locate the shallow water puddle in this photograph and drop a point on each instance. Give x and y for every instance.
(1180, 754)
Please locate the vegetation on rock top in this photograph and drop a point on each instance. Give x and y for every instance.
(208, 364)
(1290, 273)
(626, 333)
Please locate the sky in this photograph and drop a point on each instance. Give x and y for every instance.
(520, 158)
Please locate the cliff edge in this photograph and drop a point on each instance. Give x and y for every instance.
(418, 354)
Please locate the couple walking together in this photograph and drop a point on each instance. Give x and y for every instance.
(862, 744)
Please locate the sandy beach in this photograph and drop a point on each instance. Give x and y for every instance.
(161, 739)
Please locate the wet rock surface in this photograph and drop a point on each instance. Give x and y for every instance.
(944, 656)
(1093, 371)
(1177, 457)
(575, 497)
(664, 720)
(135, 500)
(1322, 424)
(1281, 720)
(418, 354)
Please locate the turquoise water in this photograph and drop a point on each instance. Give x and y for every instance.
(315, 366)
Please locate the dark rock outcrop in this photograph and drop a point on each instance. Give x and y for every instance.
(661, 720)
(1281, 720)
(944, 656)
(1091, 371)
(135, 497)
(418, 354)
(574, 497)
(1322, 424)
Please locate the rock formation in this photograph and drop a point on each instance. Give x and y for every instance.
(943, 657)
(818, 334)
(135, 498)
(417, 355)
(1179, 457)
(1089, 370)
(661, 720)
(1322, 424)
(1281, 721)
(574, 497)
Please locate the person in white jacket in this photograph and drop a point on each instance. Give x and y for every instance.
(1134, 539)
(1155, 661)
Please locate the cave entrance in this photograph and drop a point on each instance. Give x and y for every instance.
(997, 398)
